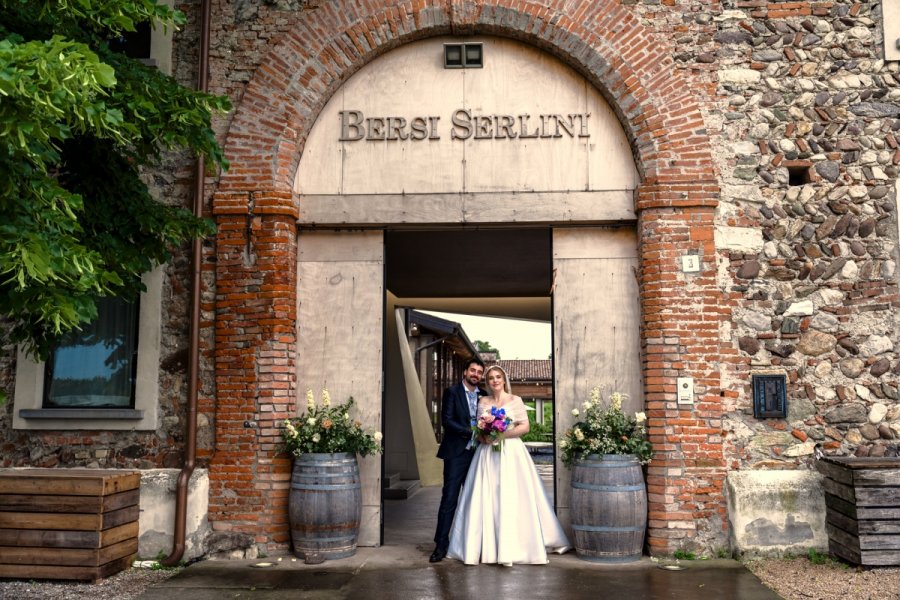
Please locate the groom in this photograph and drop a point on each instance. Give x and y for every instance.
(458, 408)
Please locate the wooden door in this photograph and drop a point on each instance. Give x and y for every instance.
(340, 295)
(596, 326)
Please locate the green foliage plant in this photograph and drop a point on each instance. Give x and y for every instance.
(327, 428)
(816, 557)
(485, 346)
(605, 429)
(684, 555)
(538, 432)
(81, 125)
(159, 566)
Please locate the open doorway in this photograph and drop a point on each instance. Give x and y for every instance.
(437, 282)
(523, 348)
(484, 225)
(352, 281)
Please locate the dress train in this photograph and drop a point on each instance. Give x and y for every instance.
(503, 514)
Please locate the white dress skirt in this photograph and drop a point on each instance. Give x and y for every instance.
(503, 515)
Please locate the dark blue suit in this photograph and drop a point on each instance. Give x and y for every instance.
(457, 422)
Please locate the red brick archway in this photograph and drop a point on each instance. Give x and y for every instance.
(256, 211)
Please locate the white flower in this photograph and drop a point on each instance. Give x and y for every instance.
(290, 427)
(640, 417)
(311, 421)
(616, 400)
(563, 444)
(326, 398)
(575, 412)
(310, 400)
(586, 406)
(378, 436)
(346, 416)
(579, 435)
(595, 395)
(316, 437)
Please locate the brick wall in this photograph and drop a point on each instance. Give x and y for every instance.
(660, 107)
(765, 135)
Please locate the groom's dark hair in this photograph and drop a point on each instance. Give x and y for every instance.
(474, 359)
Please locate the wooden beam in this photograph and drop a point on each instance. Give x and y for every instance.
(374, 210)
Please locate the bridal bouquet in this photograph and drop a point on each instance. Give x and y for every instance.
(492, 423)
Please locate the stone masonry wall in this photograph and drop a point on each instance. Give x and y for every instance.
(630, 59)
(797, 230)
(777, 247)
(808, 162)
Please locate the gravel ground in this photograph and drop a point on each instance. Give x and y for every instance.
(793, 579)
(126, 585)
(800, 579)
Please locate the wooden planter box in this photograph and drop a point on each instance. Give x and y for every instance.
(68, 523)
(862, 499)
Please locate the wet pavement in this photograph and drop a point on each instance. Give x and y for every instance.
(400, 570)
(373, 579)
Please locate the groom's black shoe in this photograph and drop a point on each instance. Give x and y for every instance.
(438, 555)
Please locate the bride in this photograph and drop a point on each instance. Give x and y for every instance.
(503, 514)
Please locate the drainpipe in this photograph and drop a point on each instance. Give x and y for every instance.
(187, 469)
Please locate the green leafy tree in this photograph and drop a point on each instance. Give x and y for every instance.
(79, 124)
(486, 347)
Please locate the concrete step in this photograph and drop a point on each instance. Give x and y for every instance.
(391, 479)
(403, 489)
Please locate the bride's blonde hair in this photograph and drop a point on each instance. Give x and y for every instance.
(506, 386)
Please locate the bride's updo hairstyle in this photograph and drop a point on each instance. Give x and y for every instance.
(506, 386)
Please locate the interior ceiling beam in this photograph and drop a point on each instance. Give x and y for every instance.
(529, 309)
(464, 263)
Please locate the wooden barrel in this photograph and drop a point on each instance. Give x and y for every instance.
(609, 508)
(325, 505)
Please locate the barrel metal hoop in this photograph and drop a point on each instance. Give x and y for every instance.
(314, 459)
(607, 488)
(610, 458)
(605, 529)
(319, 488)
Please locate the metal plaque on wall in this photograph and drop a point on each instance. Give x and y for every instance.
(769, 396)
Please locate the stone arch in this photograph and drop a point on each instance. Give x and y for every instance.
(605, 42)
(256, 246)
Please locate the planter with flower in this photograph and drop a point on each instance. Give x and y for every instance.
(605, 450)
(325, 502)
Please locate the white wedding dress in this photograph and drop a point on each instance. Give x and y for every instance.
(503, 514)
